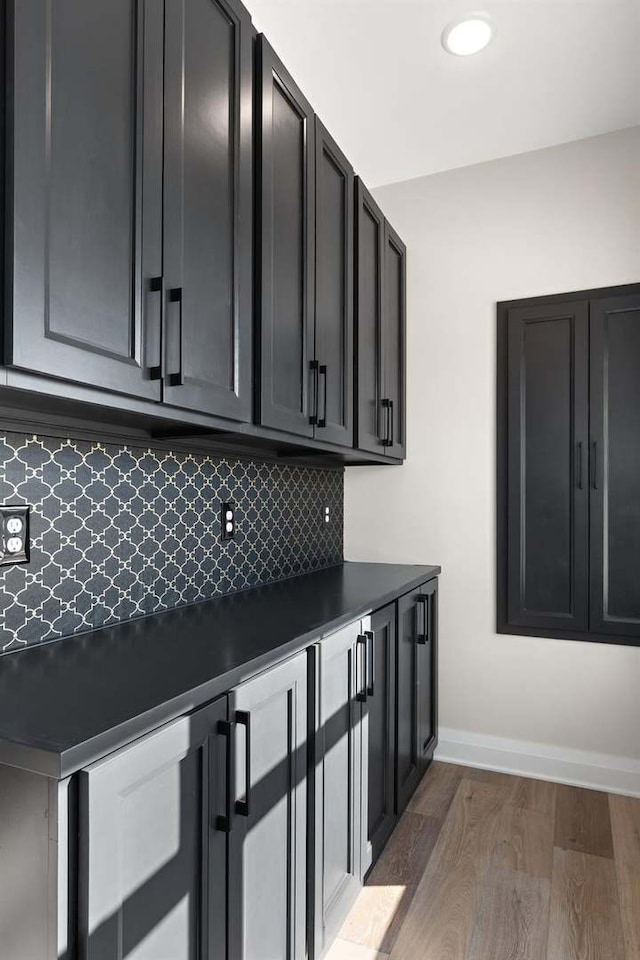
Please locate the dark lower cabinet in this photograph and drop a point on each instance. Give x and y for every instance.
(380, 331)
(569, 465)
(242, 831)
(416, 689)
(83, 223)
(152, 863)
(267, 842)
(208, 209)
(379, 733)
(338, 770)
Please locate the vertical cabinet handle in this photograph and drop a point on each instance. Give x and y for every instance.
(153, 361)
(361, 668)
(392, 428)
(175, 377)
(594, 465)
(224, 823)
(580, 466)
(422, 626)
(322, 372)
(243, 806)
(314, 366)
(386, 437)
(371, 657)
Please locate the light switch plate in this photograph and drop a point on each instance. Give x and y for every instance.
(14, 534)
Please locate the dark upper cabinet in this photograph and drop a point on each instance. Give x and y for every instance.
(152, 862)
(569, 465)
(615, 465)
(416, 685)
(84, 197)
(208, 207)
(379, 733)
(267, 842)
(393, 343)
(369, 320)
(285, 130)
(333, 291)
(380, 331)
(548, 364)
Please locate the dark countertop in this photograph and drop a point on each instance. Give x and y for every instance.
(64, 705)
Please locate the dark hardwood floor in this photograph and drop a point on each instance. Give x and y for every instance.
(487, 866)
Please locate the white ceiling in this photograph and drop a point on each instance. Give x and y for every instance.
(401, 107)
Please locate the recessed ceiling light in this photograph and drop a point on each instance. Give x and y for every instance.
(468, 34)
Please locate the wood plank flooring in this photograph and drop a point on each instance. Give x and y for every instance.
(486, 866)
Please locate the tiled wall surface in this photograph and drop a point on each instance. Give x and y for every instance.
(118, 532)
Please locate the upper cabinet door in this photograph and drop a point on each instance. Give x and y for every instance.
(334, 290)
(84, 213)
(394, 343)
(615, 465)
(285, 287)
(208, 207)
(547, 435)
(370, 421)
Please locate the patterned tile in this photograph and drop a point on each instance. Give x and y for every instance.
(118, 532)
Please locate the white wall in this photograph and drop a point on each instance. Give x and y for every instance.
(555, 220)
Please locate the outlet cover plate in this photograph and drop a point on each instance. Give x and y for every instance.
(14, 526)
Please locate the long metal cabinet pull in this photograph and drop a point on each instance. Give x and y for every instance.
(322, 372)
(361, 668)
(422, 630)
(314, 366)
(392, 428)
(243, 806)
(371, 658)
(224, 823)
(386, 438)
(153, 360)
(175, 378)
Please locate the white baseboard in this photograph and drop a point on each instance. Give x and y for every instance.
(598, 771)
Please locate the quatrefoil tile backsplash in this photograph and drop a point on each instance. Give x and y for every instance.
(118, 532)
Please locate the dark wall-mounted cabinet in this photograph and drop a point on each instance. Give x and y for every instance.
(380, 331)
(569, 465)
(129, 203)
(305, 283)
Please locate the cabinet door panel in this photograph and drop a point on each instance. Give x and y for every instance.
(615, 465)
(427, 696)
(267, 866)
(547, 482)
(407, 735)
(379, 727)
(146, 892)
(285, 274)
(84, 214)
(369, 320)
(338, 795)
(208, 190)
(394, 341)
(334, 290)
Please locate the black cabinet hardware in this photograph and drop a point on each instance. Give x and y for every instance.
(243, 718)
(422, 616)
(314, 366)
(175, 377)
(322, 372)
(224, 823)
(594, 464)
(386, 437)
(580, 466)
(153, 326)
(371, 658)
(361, 668)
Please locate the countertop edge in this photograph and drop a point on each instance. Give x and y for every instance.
(59, 765)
